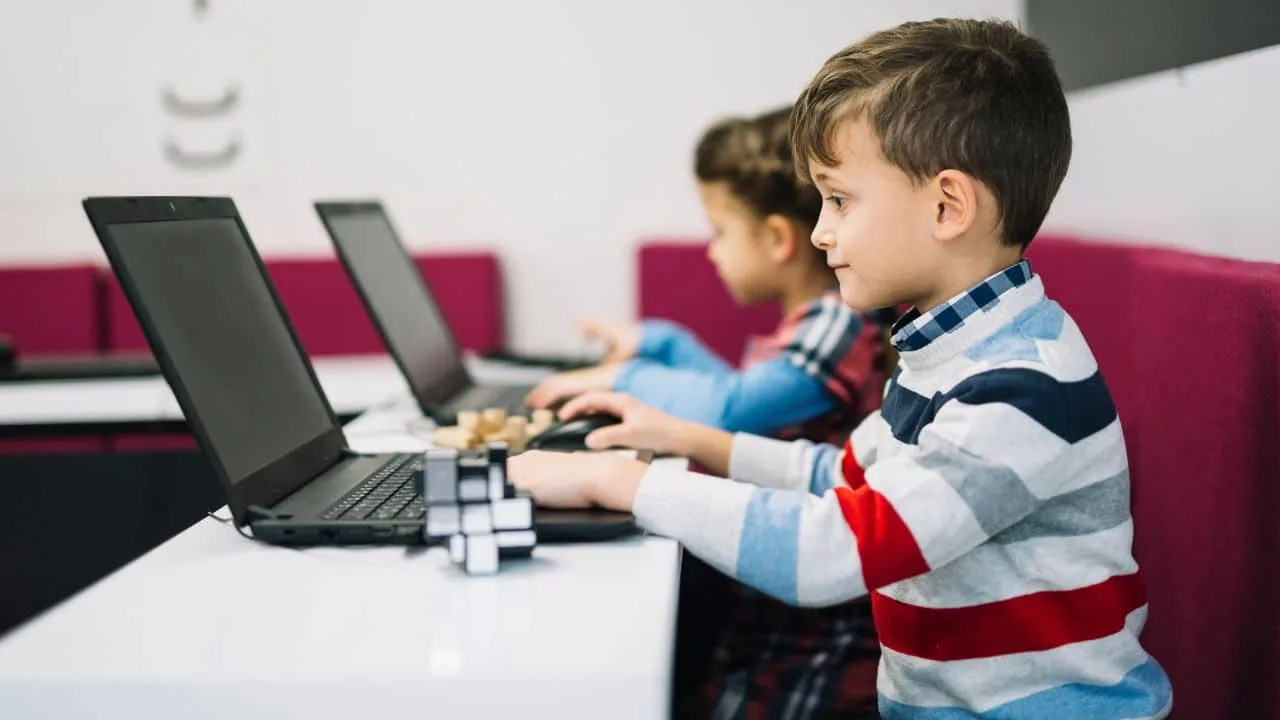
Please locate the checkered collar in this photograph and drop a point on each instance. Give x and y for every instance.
(915, 331)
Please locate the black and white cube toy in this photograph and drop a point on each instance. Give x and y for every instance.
(470, 504)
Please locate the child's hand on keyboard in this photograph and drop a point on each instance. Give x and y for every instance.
(565, 385)
(577, 480)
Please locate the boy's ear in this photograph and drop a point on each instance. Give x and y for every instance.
(955, 204)
(781, 239)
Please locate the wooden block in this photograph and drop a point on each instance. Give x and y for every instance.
(468, 419)
(515, 439)
(495, 418)
(459, 438)
(542, 418)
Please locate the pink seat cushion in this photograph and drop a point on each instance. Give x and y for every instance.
(50, 310)
(469, 289)
(677, 282)
(1205, 340)
(331, 320)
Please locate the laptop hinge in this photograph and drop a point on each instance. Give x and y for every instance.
(257, 512)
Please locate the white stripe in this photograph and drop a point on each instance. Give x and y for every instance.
(1068, 357)
(984, 683)
(939, 519)
(993, 572)
(770, 462)
(1046, 463)
(703, 513)
(940, 378)
(829, 569)
(867, 436)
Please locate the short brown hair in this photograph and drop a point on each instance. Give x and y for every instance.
(752, 155)
(978, 96)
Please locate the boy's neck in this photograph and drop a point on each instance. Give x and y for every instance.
(968, 274)
(805, 291)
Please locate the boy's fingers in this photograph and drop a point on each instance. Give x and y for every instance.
(594, 402)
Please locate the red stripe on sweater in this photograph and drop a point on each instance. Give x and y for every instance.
(886, 546)
(853, 474)
(1028, 623)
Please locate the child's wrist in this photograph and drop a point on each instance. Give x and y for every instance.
(617, 490)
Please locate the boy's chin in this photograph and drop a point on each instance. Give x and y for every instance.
(860, 298)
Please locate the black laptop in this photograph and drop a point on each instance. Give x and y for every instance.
(407, 316)
(249, 392)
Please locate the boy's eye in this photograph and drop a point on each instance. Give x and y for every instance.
(836, 201)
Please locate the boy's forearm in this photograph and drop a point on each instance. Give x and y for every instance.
(705, 446)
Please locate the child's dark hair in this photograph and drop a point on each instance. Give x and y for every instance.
(978, 96)
(753, 157)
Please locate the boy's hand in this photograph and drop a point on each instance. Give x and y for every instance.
(577, 480)
(622, 341)
(645, 428)
(562, 386)
(642, 427)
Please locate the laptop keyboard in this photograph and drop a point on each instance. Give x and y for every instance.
(388, 494)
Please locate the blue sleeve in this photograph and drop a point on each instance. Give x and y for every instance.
(824, 474)
(667, 343)
(767, 397)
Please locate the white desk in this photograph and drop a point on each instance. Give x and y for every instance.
(211, 625)
(352, 384)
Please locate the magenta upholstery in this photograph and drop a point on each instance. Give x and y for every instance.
(677, 282)
(1207, 336)
(331, 320)
(50, 310)
(469, 289)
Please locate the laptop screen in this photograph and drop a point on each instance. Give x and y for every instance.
(202, 291)
(397, 297)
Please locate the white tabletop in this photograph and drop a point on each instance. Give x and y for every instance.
(352, 384)
(213, 625)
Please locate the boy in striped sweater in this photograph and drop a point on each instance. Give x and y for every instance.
(985, 507)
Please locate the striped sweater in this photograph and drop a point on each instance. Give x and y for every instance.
(985, 509)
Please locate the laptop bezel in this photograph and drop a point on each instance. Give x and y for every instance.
(282, 477)
(454, 384)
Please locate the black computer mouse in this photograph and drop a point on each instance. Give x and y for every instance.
(572, 434)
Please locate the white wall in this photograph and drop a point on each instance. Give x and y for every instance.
(1188, 159)
(556, 132)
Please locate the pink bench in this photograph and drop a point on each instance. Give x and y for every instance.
(329, 317)
(51, 311)
(677, 282)
(81, 309)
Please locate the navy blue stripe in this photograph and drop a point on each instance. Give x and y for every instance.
(1071, 410)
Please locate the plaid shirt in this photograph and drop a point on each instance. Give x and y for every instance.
(839, 347)
(773, 660)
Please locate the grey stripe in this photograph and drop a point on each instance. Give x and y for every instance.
(994, 493)
(1094, 508)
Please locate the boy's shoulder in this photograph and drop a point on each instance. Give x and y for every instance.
(1041, 340)
(1038, 363)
